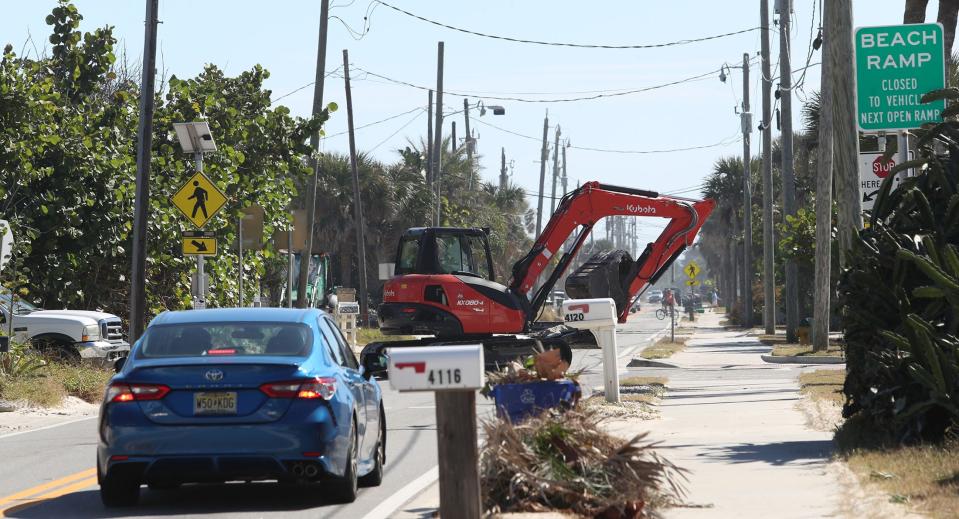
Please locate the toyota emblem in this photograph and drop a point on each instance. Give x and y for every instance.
(214, 375)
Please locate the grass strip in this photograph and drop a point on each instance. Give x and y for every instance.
(664, 348)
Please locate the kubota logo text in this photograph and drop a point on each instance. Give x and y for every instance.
(640, 209)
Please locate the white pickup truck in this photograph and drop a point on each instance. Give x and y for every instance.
(95, 337)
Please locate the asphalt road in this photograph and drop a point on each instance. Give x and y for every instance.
(50, 472)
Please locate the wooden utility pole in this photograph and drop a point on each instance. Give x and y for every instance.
(822, 289)
(543, 156)
(747, 123)
(452, 137)
(429, 142)
(357, 199)
(502, 169)
(469, 144)
(789, 179)
(438, 137)
(838, 31)
(769, 264)
(564, 167)
(552, 200)
(141, 205)
(306, 255)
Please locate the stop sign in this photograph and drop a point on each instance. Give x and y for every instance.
(881, 168)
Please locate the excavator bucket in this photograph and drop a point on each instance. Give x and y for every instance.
(605, 274)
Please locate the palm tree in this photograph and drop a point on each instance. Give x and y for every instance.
(915, 12)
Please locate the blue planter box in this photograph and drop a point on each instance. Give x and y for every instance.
(519, 401)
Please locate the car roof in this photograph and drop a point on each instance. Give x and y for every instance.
(273, 315)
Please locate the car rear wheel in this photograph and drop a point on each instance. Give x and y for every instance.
(375, 477)
(343, 489)
(119, 491)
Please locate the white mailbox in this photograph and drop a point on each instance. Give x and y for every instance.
(587, 314)
(436, 368)
(598, 316)
(347, 308)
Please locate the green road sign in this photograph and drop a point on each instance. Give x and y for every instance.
(895, 66)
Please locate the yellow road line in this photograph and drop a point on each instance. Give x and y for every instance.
(32, 491)
(62, 491)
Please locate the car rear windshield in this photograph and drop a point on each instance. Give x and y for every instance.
(226, 339)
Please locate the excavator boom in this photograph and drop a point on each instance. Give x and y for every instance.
(581, 209)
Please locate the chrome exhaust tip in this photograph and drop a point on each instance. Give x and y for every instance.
(298, 469)
(311, 471)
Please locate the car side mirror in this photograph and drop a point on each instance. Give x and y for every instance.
(374, 362)
(118, 364)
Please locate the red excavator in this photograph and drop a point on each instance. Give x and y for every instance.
(445, 287)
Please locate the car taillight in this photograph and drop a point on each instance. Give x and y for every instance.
(131, 392)
(319, 387)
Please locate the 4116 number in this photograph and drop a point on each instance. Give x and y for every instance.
(448, 376)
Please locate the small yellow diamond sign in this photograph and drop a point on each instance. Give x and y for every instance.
(199, 199)
(692, 282)
(692, 269)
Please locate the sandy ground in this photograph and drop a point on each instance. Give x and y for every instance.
(25, 418)
(859, 498)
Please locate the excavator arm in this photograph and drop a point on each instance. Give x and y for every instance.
(581, 209)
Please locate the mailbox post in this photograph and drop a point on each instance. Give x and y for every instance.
(598, 316)
(454, 373)
(346, 313)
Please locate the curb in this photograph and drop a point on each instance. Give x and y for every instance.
(802, 360)
(644, 363)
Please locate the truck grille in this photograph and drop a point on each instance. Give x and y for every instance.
(111, 330)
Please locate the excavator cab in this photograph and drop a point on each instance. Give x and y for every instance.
(445, 250)
(444, 285)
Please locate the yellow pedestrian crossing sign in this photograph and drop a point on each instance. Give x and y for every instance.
(199, 199)
(199, 243)
(692, 282)
(692, 269)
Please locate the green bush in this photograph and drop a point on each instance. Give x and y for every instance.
(20, 362)
(34, 391)
(900, 292)
(84, 382)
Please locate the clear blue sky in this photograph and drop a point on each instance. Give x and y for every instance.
(282, 36)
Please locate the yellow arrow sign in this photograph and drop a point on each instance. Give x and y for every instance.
(199, 245)
(199, 199)
(692, 269)
(692, 282)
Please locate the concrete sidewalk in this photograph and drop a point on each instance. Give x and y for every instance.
(731, 420)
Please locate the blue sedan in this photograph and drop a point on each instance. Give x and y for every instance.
(240, 394)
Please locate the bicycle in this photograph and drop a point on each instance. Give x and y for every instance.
(661, 313)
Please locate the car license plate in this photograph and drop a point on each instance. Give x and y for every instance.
(221, 402)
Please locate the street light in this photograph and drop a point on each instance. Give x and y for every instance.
(195, 138)
(497, 109)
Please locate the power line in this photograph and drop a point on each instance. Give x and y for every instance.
(415, 117)
(697, 77)
(390, 118)
(725, 142)
(311, 83)
(564, 44)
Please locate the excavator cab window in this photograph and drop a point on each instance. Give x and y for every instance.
(445, 250)
(463, 254)
(408, 256)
